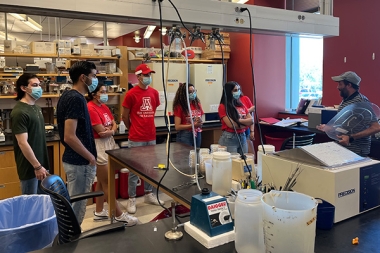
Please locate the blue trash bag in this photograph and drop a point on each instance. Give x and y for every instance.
(27, 223)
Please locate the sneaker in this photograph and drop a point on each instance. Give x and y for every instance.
(103, 215)
(131, 207)
(151, 198)
(129, 220)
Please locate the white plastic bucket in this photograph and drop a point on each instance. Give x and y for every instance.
(289, 220)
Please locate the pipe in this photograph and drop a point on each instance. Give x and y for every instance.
(105, 39)
(6, 25)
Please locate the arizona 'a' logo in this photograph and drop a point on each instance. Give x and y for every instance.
(146, 105)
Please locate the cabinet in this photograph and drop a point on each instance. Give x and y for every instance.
(9, 181)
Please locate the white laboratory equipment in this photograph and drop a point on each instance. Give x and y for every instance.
(330, 172)
(221, 173)
(208, 81)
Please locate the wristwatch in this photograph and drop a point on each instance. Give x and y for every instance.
(351, 139)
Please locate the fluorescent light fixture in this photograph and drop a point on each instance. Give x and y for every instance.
(33, 24)
(21, 17)
(2, 36)
(239, 1)
(149, 30)
(137, 38)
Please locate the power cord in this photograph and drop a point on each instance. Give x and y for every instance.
(253, 78)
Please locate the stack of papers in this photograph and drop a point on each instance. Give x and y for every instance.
(289, 122)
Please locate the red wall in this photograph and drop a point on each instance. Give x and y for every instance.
(357, 41)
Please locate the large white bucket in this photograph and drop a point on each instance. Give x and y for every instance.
(289, 222)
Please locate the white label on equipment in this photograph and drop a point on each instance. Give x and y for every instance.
(210, 80)
(219, 213)
(209, 69)
(212, 198)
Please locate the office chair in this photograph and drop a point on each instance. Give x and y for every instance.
(302, 140)
(69, 229)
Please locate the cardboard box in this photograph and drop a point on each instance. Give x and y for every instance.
(225, 48)
(60, 43)
(87, 52)
(68, 44)
(9, 45)
(226, 41)
(214, 54)
(43, 47)
(116, 52)
(106, 52)
(75, 50)
(79, 41)
(87, 46)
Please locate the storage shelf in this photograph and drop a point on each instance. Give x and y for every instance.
(53, 95)
(59, 56)
(45, 74)
(180, 60)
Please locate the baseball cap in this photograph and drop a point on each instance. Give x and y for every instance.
(143, 69)
(348, 76)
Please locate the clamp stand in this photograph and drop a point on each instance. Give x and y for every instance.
(173, 234)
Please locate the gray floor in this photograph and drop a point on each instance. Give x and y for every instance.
(145, 212)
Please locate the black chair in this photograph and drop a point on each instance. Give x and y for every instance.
(69, 229)
(302, 140)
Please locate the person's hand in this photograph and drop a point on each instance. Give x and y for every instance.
(344, 140)
(92, 161)
(198, 124)
(252, 136)
(41, 173)
(321, 127)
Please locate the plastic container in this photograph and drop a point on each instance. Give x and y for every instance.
(289, 222)
(208, 169)
(27, 223)
(123, 185)
(325, 215)
(121, 127)
(214, 147)
(202, 159)
(276, 139)
(221, 173)
(249, 236)
(268, 149)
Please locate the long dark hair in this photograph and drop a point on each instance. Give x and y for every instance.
(230, 103)
(180, 98)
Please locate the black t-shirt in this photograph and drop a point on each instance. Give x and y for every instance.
(73, 105)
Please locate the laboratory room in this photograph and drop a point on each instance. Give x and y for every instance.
(189, 126)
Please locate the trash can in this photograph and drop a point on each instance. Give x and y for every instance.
(325, 214)
(276, 139)
(27, 223)
(123, 191)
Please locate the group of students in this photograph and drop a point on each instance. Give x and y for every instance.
(86, 128)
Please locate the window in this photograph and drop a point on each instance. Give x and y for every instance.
(304, 69)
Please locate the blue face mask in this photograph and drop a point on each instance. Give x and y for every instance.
(103, 98)
(236, 95)
(146, 80)
(36, 92)
(192, 96)
(93, 85)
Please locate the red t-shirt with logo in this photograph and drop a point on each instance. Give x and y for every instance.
(99, 115)
(185, 119)
(242, 110)
(142, 104)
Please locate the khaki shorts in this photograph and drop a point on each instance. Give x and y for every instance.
(103, 144)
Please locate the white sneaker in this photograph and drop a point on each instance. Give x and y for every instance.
(151, 198)
(129, 220)
(131, 207)
(103, 215)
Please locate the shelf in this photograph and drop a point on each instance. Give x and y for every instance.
(180, 60)
(66, 74)
(59, 56)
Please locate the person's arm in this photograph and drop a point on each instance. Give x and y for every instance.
(103, 131)
(179, 126)
(251, 109)
(27, 151)
(247, 121)
(125, 117)
(374, 128)
(228, 123)
(72, 140)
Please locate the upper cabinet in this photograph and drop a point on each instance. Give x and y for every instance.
(208, 14)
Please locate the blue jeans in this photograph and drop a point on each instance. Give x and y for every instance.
(133, 178)
(232, 143)
(186, 137)
(31, 186)
(79, 180)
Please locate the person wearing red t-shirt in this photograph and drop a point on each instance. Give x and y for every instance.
(104, 126)
(140, 104)
(233, 115)
(182, 118)
(250, 132)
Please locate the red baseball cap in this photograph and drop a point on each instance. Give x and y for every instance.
(143, 69)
